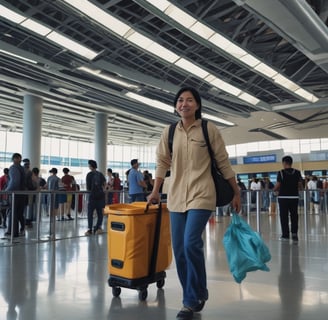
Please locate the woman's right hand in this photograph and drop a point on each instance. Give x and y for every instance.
(153, 198)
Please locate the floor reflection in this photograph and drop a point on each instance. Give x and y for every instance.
(290, 282)
(67, 279)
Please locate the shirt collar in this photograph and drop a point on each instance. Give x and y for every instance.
(197, 123)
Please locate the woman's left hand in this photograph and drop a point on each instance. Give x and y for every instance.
(236, 202)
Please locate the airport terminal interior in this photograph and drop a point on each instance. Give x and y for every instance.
(96, 79)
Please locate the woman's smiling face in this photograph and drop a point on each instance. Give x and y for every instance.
(186, 105)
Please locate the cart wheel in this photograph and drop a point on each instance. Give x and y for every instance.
(143, 293)
(160, 283)
(116, 291)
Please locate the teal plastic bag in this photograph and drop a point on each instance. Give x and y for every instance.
(245, 249)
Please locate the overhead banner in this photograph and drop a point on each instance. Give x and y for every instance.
(260, 159)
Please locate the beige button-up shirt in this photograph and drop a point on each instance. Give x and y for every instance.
(191, 184)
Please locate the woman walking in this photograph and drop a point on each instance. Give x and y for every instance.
(191, 193)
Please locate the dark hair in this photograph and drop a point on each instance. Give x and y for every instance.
(92, 163)
(110, 170)
(5, 170)
(196, 95)
(66, 170)
(134, 161)
(36, 171)
(53, 170)
(16, 156)
(288, 160)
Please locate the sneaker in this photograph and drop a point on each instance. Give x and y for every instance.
(88, 233)
(294, 237)
(99, 231)
(62, 218)
(8, 234)
(199, 307)
(21, 233)
(70, 218)
(284, 238)
(185, 314)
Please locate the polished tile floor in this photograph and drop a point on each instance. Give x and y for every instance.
(66, 279)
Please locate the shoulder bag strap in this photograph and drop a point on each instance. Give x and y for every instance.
(205, 133)
(210, 151)
(171, 136)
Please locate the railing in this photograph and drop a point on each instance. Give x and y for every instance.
(252, 202)
(39, 212)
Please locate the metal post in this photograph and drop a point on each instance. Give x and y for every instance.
(258, 209)
(38, 215)
(76, 197)
(52, 229)
(305, 213)
(12, 217)
(248, 199)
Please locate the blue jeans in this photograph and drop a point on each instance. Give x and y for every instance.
(137, 197)
(187, 228)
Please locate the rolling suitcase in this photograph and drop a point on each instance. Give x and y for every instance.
(139, 246)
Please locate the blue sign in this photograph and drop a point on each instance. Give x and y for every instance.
(233, 161)
(260, 159)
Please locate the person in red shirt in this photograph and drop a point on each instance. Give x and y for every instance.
(69, 185)
(116, 187)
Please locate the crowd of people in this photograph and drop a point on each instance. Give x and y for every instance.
(22, 178)
(60, 202)
(139, 185)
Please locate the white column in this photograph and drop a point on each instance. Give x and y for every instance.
(101, 141)
(32, 117)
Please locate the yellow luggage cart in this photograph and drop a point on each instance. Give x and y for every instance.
(139, 246)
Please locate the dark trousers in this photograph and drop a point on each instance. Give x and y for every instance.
(18, 216)
(97, 205)
(110, 197)
(288, 207)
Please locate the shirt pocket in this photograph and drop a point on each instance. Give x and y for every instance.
(198, 148)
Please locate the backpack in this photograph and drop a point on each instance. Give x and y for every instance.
(97, 182)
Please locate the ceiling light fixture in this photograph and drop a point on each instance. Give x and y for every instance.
(50, 34)
(17, 56)
(35, 27)
(11, 15)
(72, 45)
(101, 75)
(191, 67)
(149, 45)
(178, 14)
(150, 102)
(223, 43)
(217, 119)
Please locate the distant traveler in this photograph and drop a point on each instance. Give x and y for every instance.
(289, 182)
(136, 182)
(96, 182)
(16, 182)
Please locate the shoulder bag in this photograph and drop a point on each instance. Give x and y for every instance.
(224, 191)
